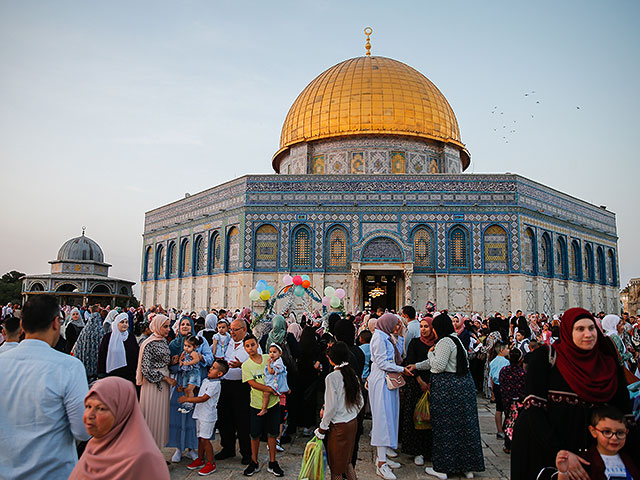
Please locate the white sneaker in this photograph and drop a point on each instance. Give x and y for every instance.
(385, 472)
(468, 474)
(393, 464)
(419, 460)
(193, 455)
(177, 456)
(391, 453)
(433, 473)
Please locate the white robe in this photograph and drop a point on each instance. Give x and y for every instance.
(385, 403)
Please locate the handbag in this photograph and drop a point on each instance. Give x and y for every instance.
(394, 380)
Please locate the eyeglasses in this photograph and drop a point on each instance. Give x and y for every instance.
(237, 329)
(620, 434)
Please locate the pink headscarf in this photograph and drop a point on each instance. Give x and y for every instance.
(128, 450)
(296, 330)
(156, 322)
(387, 324)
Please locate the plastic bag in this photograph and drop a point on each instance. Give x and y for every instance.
(422, 414)
(314, 463)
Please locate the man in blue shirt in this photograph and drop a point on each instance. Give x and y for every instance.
(413, 326)
(42, 401)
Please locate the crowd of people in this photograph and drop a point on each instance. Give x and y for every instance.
(94, 392)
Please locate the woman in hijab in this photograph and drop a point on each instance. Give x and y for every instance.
(416, 443)
(488, 348)
(118, 353)
(71, 329)
(454, 413)
(210, 328)
(108, 321)
(88, 344)
(182, 427)
(121, 447)
(564, 381)
(309, 369)
(153, 376)
(611, 324)
(385, 403)
(463, 334)
(296, 330)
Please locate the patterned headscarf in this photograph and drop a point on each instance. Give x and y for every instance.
(88, 344)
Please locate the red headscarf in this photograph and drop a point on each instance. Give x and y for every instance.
(128, 450)
(429, 340)
(591, 374)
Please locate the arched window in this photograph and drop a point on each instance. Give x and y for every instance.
(266, 249)
(337, 249)
(612, 277)
(423, 249)
(602, 267)
(458, 249)
(172, 260)
(588, 263)
(160, 262)
(529, 251)
(185, 258)
(148, 264)
(37, 287)
(561, 258)
(575, 262)
(198, 253)
(546, 259)
(495, 249)
(301, 251)
(215, 253)
(233, 249)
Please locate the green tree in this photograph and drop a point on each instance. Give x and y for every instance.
(11, 287)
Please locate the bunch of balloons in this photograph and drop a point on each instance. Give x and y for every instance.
(299, 283)
(333, 297)
(263, 291)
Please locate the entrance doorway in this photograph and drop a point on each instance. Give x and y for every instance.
(379, 289)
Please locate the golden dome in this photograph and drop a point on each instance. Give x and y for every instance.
(370, 95)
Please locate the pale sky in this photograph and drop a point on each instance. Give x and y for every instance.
(111, 109)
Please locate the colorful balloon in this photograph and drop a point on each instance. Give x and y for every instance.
(326, 301)
(261, 285)
(287, 279)
(254, 295)
(306, 283)
(335, 302)
(299, 291)
(306, 277)
(272, 290)
(329, 291)
(340, 293)
(265, 295)
(297, 280)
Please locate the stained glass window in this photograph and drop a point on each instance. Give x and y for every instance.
(545, 255)
(173, 264)
(574, 261)
(423, 248)
(458, 249)
(185, 258)
(612, 278)
(301, 248)
(495, 249)
(337, 249)
(148, 264)
(233, 249)
(528, 251)
(266, 247)
(199, 255)
(561, 256)
(214, 252)
(602, 270)
(588, 263)
(160, 262)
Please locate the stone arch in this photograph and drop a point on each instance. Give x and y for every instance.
(423, 240)
(172, 259)
(612, 276)
(561, 257)
(160, 262)
(148, 264)
(36, 287)
(185, 258)
(458, 255)
(546, 255)
(588, 263)
(232, 260)
(382, 249)
(602, 266)
(215, 252)
(199, 260)
(575, 261)
(529, 252)
(101, 288)
(337, 251)
(68, 287)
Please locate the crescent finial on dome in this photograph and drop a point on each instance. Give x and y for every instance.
(368, 31)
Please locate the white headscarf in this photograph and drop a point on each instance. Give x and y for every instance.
(109, 320)
(610, 324)
(68, 320)
(116, 356)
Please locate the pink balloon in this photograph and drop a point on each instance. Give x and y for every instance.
(297, 280)
(287, 279)
(326, 301)
(340, 293)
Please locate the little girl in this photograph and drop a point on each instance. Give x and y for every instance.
(275, 376)
(221, 340)
(189, 370)
(546, 334)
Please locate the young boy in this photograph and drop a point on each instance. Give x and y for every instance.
(496, 365)
(205, 414)
(253, 374)
(605, 458)
(221, 339)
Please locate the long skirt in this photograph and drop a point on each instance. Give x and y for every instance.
(454, 420)
(414, 442)
(340, 442)
(154, 404)
(182, 427)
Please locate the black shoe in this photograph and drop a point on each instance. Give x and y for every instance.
(251, 469)
(286, 438)
(245, 460)
(275, 469)
(500, 436)
(223, 454)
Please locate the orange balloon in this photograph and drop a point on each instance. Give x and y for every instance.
(306, 283)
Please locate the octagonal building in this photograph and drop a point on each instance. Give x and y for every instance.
(369, 195)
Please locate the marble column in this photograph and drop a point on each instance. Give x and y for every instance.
(355, 288)
(408, 273)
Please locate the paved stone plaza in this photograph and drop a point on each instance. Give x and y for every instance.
(496, 461)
